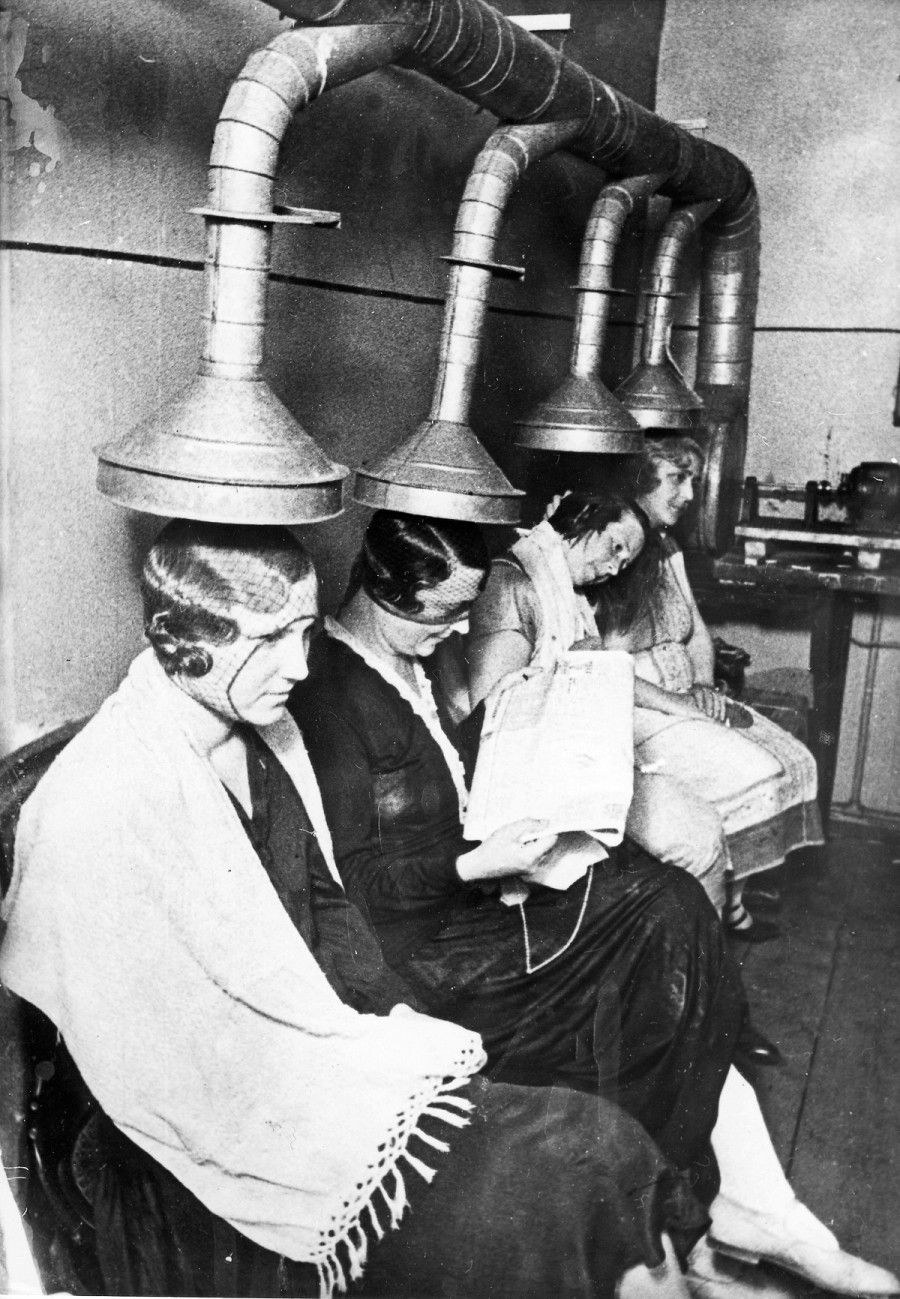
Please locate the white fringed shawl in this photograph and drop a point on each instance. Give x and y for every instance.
(142, 923)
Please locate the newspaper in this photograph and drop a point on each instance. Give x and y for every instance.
(558, 745)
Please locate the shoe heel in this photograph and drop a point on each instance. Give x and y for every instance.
(733, 1251)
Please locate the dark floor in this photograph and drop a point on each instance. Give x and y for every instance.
(829, 993)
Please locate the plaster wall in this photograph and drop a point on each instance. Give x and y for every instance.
(806, 93)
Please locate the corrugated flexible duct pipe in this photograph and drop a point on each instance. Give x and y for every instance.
(442, 468)
(581, 416)
(469, 47)
(225, 448)
(729, 289)
(613, 206)
(275, 83)
(655, 392)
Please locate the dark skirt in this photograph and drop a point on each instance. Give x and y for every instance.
(640, 1004)
(546, 1192)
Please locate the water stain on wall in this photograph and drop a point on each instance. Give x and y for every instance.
(34, 140)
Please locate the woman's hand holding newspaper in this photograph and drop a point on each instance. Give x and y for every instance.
(519, 848)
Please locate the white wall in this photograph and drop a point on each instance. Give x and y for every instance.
(806, 93)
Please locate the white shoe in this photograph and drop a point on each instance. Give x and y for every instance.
(710, 1276)
(789, 1218)
(789, 1241)
(803, 1223)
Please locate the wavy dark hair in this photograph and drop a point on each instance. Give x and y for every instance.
(577, 515)
(195, 572)
(403, 554)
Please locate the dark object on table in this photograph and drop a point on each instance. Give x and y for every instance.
(871, 493)
(731, 661)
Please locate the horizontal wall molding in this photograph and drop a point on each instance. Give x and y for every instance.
(396, 295)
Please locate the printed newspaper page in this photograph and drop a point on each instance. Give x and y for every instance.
(558, 746)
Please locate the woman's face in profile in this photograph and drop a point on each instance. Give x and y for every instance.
(598, 556)
(276, 661)
(665, 503)
(444, 609)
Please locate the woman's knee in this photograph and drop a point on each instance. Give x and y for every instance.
(754, 760)
(678, 828)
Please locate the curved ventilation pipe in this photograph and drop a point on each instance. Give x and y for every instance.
(225, 448)
(582, 415)
(472, 49)
(729, 289)
(176, 465)
(442, 469)
(656, 392)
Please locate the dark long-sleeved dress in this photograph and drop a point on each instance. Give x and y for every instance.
(539, 1195)
(631, 996)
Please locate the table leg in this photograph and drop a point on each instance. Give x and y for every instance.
(829, 649)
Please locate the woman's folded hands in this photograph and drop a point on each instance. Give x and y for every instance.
(710, 701)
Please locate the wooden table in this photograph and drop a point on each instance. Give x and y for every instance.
(827, 592)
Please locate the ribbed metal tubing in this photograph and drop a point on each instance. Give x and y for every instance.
(471, 48)
(612, 208)
(476, 51)
(662, 286)
(581, 415)
(498, 168)
(656, 392)
(225, 448)
(275, 83)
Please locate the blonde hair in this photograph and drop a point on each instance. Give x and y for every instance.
(683, 452)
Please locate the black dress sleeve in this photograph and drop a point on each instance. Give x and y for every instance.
(348, 951)
(389, 801)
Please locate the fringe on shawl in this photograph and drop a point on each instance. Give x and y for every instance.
(335, 1274)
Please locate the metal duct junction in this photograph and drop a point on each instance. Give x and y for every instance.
(443, 470)
(581, 415)
(470, 48)
(226, 449)
(656, 392)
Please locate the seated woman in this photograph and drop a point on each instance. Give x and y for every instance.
(535, 606)
(270, 1098)
(761, 782)
(618, 986)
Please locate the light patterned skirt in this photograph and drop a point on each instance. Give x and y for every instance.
(762, 782)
